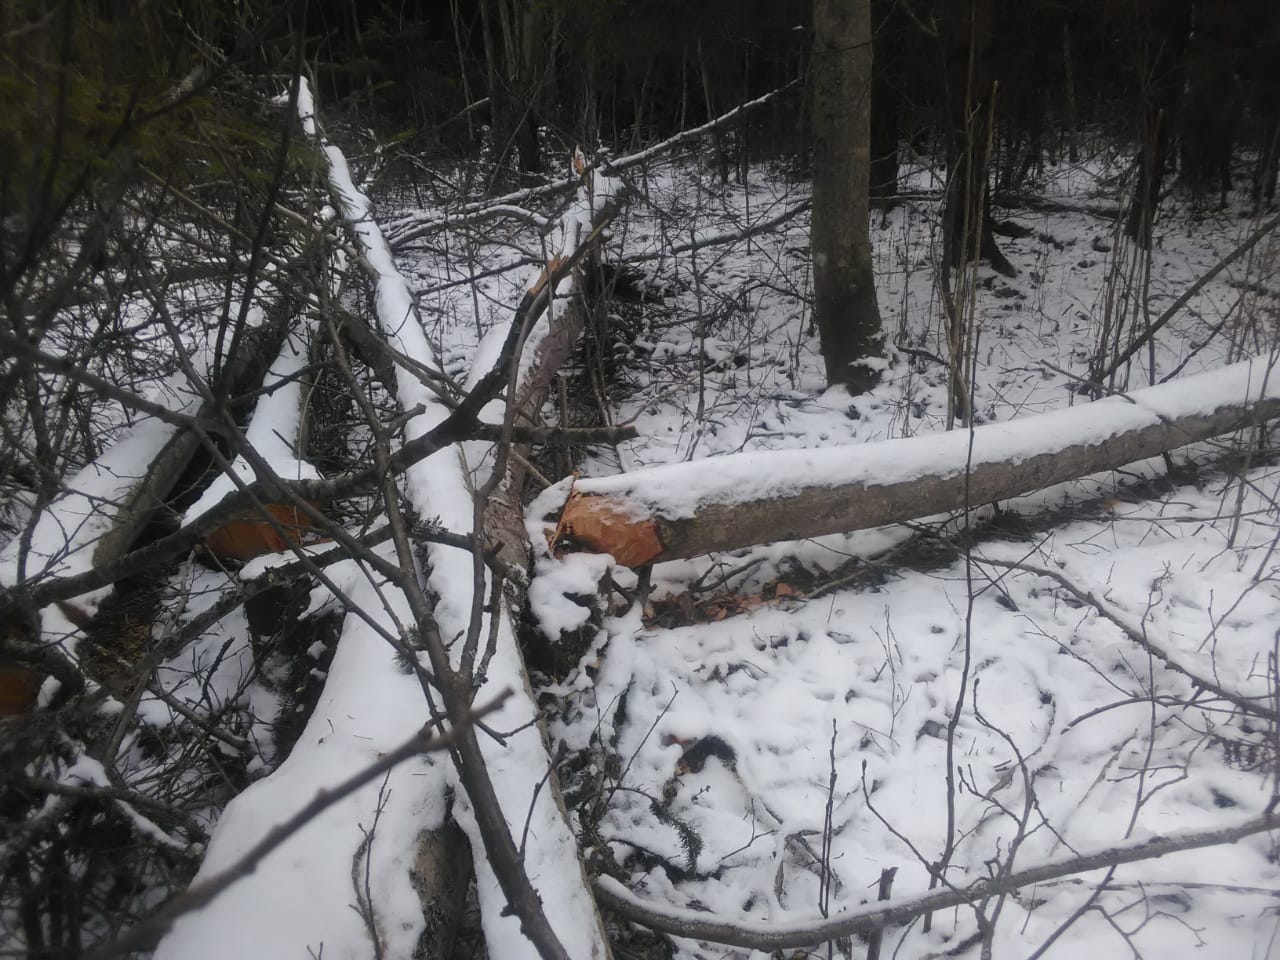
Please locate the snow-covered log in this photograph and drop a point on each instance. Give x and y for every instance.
(439, 487)
(689, 509)
(548, 346)
(246, 371)
(369, 702)
(100, 513)
(273, 435)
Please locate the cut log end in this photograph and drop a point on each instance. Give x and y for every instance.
(19, 689)
(250, 534)
(602, 525)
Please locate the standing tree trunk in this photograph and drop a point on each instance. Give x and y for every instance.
(886, 97)
(1261, 81)
(1163, 27)
(510, 48)
(845, 308)
(966, 215)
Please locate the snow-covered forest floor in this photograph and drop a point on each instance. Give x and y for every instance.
(759, 736)
(774, 729)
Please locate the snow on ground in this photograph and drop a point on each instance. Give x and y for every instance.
(872, 675)
(301, 900)
(712, 744)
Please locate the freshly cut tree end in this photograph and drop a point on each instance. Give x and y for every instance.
(19, 688)
(250, 534)
(602, 524)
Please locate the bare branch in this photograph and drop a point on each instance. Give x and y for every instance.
(144, 935)
(1253, 706)
(776, 935)
(1100, 374)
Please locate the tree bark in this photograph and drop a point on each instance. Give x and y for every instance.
(845, 308)
(510, 54)
(689, 509)
(1163, 29)
(966, 213)
(441, 874)
(886, 97)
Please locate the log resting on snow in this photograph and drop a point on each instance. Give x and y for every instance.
(549, 346)
(688, 509)
(534, 899)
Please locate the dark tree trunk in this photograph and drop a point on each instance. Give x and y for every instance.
(886, 96)
(1214, 106)
(1027, 37)
(1069, 93)
(1262, 83)
(845, 308)
(966, 218)
(527, 71)
(513, 126)
(1162, 35)
(1264, 178)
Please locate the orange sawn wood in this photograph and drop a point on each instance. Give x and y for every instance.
(19, 688)
(249, 534)
(552, 266)
(603, 525)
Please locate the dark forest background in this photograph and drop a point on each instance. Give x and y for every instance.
(1184, 85)
(1201, 74)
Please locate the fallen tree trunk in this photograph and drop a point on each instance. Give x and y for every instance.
(549, 346)
(550, 342)
(688, 509)
(534, 898)
(98, 517)
(247, 368)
